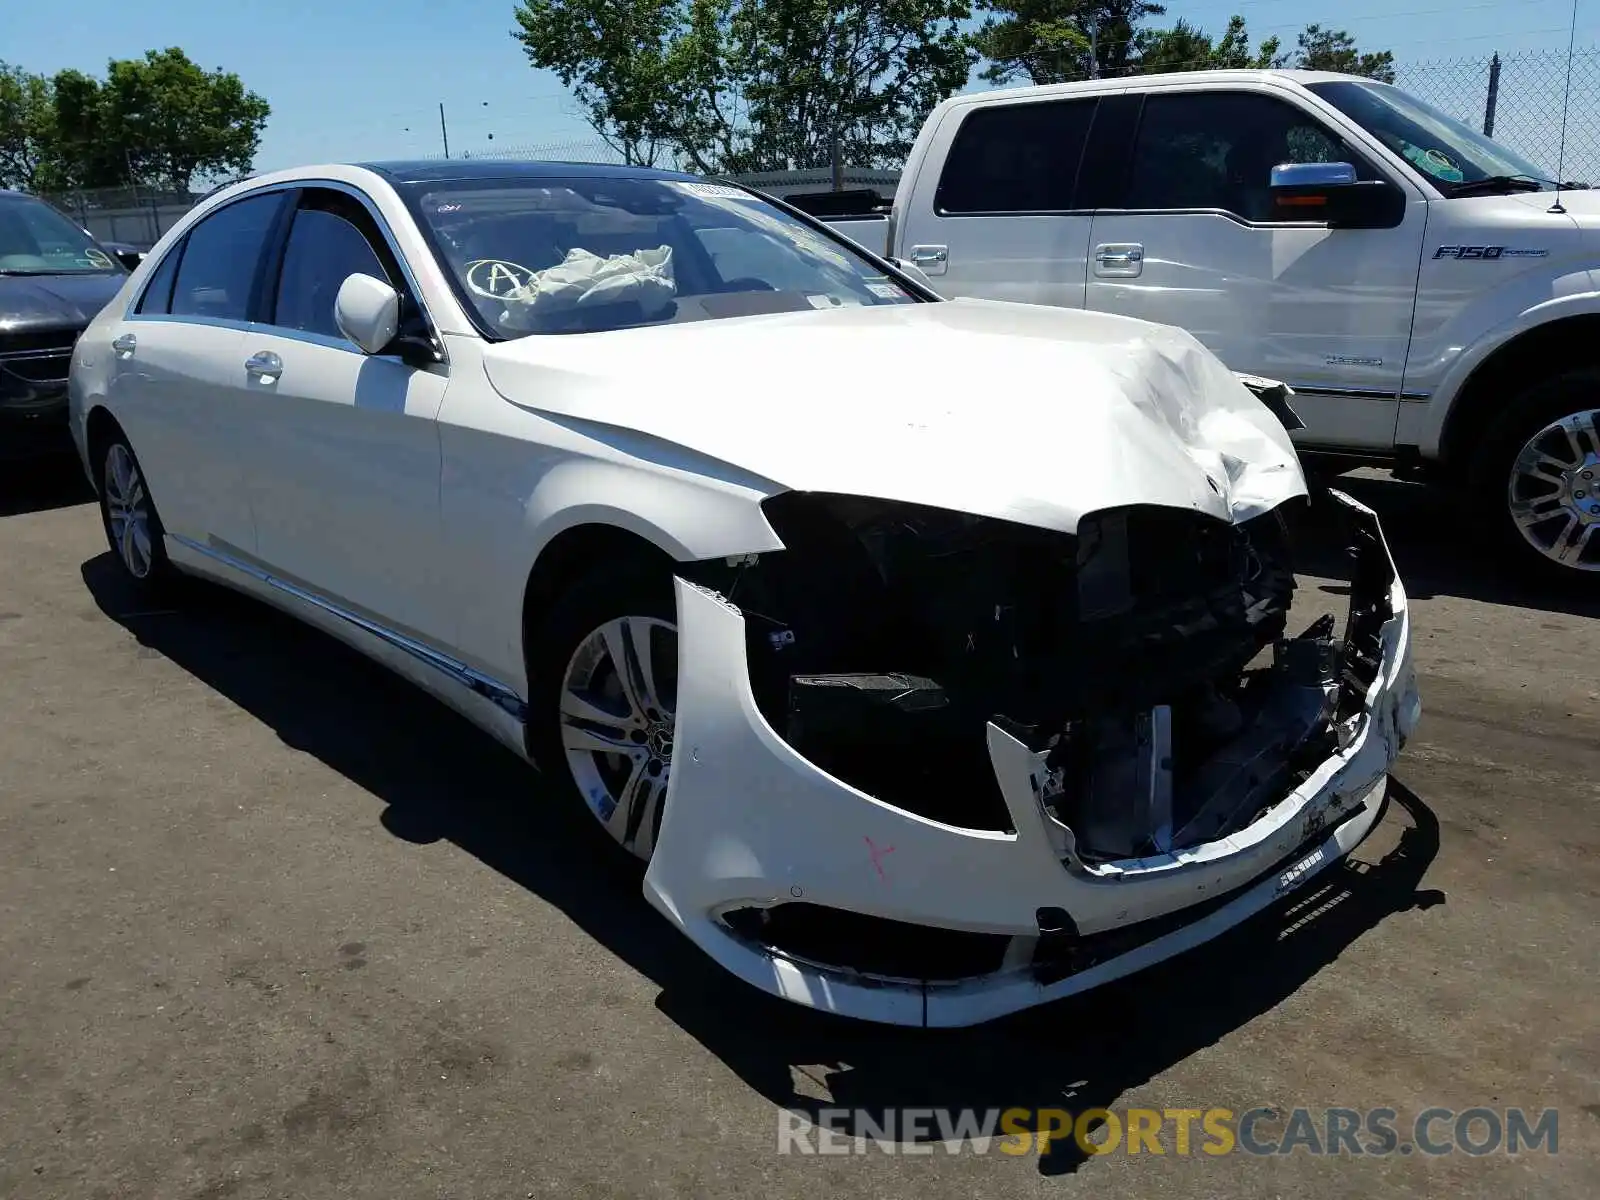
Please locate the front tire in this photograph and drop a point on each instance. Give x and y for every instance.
(1538, 466)
(604, 684)
(128, 514)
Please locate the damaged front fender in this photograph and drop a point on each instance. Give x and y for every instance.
(754, 832)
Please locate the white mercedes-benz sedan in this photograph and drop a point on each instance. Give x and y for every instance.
(933, 654)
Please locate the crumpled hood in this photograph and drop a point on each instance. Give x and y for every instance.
(1015, 411)
(53, 300)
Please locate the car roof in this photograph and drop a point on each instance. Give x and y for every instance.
(456, 170)
(1140, 83)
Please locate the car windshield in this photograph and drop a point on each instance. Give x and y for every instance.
(585, 255)
(37, 240)
(1444, 149)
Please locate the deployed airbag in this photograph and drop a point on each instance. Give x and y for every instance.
(586, 280)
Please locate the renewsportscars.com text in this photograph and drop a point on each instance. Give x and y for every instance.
(1214, 1132)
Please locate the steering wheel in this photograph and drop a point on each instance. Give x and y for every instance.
(747, 284)
(495, 277)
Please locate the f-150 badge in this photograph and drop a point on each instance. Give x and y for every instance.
(1487, 253)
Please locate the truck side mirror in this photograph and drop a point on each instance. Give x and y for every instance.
(1331, 192)
(1312, 175)
(907, 267)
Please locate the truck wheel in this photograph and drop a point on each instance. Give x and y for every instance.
(1538, 465)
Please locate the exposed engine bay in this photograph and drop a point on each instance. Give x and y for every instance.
(1146, 655)
(940, 768)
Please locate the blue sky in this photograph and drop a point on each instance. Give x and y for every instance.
(363, 78)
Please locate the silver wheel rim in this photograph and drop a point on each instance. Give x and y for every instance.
(1554, 491)
(618, 699)
(128, 511)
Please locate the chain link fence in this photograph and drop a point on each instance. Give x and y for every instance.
(137, 216)
(1518, 99)
(575, 150)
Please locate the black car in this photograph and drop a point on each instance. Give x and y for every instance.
(54, 278)
(126, 253)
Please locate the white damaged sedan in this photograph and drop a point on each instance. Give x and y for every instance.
(934, 654)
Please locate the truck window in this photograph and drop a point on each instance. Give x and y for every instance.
(1216, 150)
(1014, 158)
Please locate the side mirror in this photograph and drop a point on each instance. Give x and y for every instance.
(1331, 192)
(367, 311)
(130, 258)
(1312, 175)
(915, 272)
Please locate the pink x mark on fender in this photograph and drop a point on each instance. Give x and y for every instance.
(877, 854)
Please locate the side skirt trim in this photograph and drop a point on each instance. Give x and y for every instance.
(473, 680)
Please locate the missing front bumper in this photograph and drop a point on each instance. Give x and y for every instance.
(752, 825)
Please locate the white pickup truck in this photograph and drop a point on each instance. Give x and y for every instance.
(1431, 297)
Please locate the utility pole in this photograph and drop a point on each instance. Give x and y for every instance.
(1094, 48)
(444, 133)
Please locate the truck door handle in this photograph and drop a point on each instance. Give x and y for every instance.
(264, 363)
(1119, 259)
(125, 344)
(932, 259)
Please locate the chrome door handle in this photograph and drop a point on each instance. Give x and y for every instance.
(125, 343)
(265, 364)
(1119, 259)
(931, 260)
(1108, 257)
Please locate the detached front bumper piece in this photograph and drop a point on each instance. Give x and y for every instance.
(782, 873)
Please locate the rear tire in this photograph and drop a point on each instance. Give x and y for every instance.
(128, 515)
(1536, 472)
(603, 672)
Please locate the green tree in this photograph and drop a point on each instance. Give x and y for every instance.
(27, 126)
(81, 154)
(746, 85)
(173, 120)
(1185, 47)
(1056, 41)
(614, 58)
(159, 121)
(1319, 49)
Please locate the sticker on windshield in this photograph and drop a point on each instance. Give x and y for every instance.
(832, 302)
(885, 291)
(712, 191)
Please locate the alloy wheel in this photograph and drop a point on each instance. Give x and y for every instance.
(128, 512)
(618, 699)
(1554, 491)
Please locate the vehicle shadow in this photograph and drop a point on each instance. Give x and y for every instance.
(441, 779)
(41, 484)
(1439, 549)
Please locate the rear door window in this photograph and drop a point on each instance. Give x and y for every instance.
(157, 298)
(1015, 158)
(221, 258)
